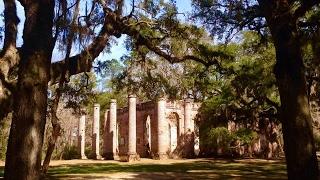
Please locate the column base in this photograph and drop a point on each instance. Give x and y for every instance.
(111, 156)
(97, 157)
(133, 157)
(161, 156)
(83, 157)
(175, 156)
(130, 157)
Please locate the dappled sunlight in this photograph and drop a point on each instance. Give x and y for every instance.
(168, 169)
(35, 143)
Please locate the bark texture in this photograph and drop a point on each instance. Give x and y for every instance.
(8, 57)
(295, 113)
(30, 96)
(290, 74)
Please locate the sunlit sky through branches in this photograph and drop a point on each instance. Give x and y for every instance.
(118, 48)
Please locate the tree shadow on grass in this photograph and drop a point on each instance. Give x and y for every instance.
(206, 169)
(1, 172)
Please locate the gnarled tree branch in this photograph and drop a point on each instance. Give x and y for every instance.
(115, 26)
(303, 7)
(82, 62)
(9, 57)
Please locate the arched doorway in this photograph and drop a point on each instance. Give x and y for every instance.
(147, 136)
(197, 136)
(117, 137)
(173, 131)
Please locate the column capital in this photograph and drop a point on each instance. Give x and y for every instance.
(161, 99)
(113, 101)
(96, 105)
(132, 96)
(188, 100)
(83, 111)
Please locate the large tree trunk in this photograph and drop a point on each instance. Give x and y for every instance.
(290, 74)
(30, 97)
(295, 113)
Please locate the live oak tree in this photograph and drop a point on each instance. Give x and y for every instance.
(242, 89)
(29, 93)
(150, 76)
(285, 20)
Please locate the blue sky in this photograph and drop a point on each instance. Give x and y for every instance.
(117, 50)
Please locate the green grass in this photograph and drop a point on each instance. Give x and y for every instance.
(194, 170)
(204, 169)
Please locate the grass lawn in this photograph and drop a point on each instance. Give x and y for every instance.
(170, 169)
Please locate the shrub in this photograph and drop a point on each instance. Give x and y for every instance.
(70, 152)
(219, 140)
(219, 137)
(89, 153)
(246, 136)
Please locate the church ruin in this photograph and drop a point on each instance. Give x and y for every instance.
(155, 129)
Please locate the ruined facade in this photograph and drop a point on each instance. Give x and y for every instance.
(156, 129)
(159, 130)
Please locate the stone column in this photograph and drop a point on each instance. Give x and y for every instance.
(96, 131)
(81, 136)
(106, 136)
(132, 121)
(111, 149)
(162, 130)
(181, 126)
(188, 129)
(187, 115)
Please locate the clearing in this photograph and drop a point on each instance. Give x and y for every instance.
(167, 169)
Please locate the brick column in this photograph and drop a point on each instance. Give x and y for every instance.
(162, 129)
(96, 131)
(111, 131)
(188, 129)
(81, 136)
(132, 121)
